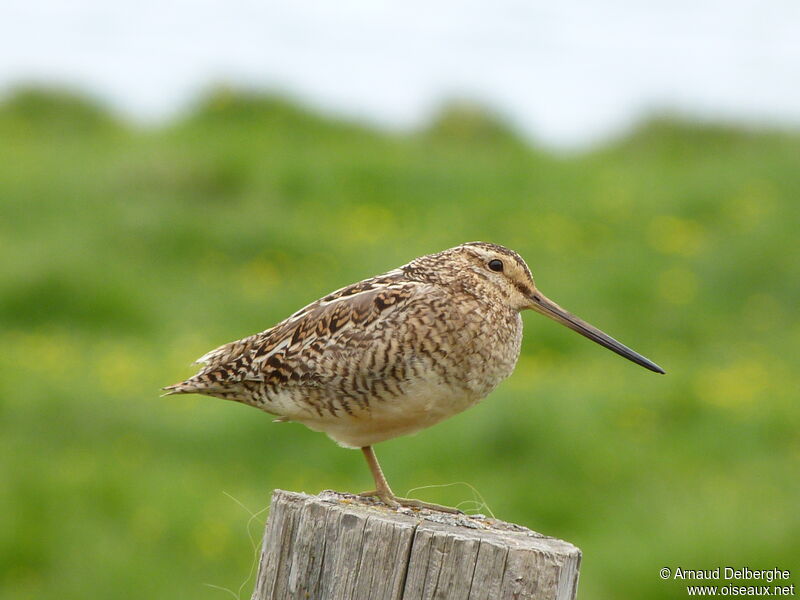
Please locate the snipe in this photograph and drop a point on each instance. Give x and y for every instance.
(392, 354)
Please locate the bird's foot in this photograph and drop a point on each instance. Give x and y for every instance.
(393, 501)
(412, 503)
(387, 498)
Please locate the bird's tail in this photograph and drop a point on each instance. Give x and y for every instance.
(206, 386)
(199, 384)
(184, 387)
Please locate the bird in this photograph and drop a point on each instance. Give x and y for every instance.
(392, 354)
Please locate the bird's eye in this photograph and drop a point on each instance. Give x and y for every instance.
(496, 265)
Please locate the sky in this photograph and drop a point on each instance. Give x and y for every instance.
(568, 74)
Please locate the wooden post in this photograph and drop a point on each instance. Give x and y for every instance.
(340, 546)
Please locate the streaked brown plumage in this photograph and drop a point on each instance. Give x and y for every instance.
(392, 354)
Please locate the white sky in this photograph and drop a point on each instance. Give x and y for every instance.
(567, 73)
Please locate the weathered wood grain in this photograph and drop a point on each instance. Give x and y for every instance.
(339, 546)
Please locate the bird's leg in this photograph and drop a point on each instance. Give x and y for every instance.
(384, 492)
(382, 489)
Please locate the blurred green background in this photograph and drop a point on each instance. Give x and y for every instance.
(128, 252)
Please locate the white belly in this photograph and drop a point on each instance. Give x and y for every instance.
(425, 404)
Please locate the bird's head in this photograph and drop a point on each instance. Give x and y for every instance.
(505, 273)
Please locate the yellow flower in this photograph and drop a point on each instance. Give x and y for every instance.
(672, 235)
(736, 387)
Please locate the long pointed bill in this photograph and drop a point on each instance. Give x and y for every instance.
(550, 309)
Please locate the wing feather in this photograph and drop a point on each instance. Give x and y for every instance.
(287, 353)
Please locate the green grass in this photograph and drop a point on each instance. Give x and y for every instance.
(128, 253)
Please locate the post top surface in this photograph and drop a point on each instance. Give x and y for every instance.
(481, 527)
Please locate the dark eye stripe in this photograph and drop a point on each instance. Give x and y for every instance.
(524, 289)
(496, 265)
